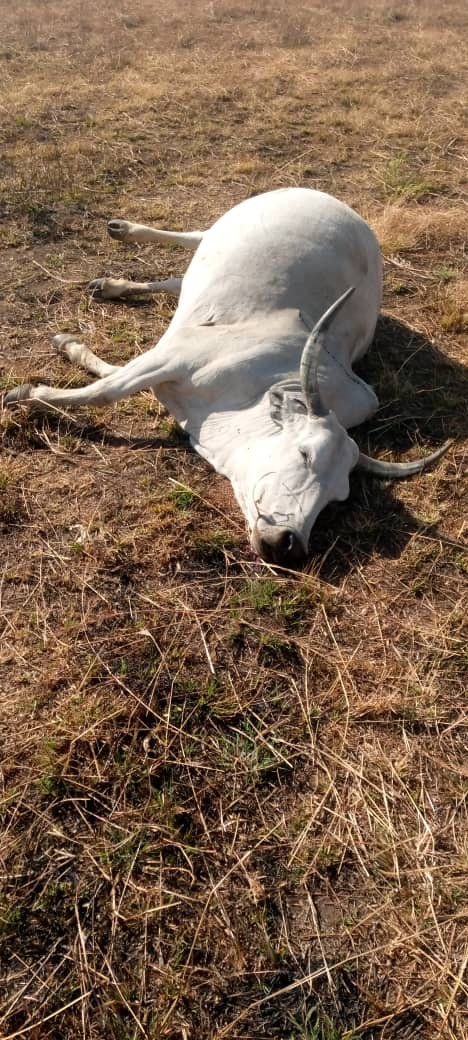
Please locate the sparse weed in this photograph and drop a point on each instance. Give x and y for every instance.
(214, 540)
(261, 594)
(446, 274)
(183, 499)
(318, 1026)
(455, 319)
(401, 180)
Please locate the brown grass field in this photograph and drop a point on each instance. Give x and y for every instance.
(233, 801)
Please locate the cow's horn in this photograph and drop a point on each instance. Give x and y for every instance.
(399, 470)
(315, 343)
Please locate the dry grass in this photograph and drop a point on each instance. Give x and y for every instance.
(233, 803)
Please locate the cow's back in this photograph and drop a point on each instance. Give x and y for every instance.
(292, 248)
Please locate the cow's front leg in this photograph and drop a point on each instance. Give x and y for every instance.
(141, 373)
(69, 348)
(121, 289)
(352, 400)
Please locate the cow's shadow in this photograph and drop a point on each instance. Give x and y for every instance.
(422, 392)
(423, 400)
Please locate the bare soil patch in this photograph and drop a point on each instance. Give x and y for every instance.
(233, 803)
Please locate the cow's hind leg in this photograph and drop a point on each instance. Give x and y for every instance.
(125, 231)
(121, 289)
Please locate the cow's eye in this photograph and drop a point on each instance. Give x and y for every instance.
(304, 455)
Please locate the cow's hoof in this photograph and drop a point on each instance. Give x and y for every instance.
(19, 395)
(61, 341)
(107, 288)
(119, 229)
(97, 286)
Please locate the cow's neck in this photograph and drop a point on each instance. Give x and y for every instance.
(221, 398)
(227, 440)
(224, 438)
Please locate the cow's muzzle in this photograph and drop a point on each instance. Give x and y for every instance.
(278, 545)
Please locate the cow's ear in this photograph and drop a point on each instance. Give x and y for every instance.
(285, 404)
(276, 406)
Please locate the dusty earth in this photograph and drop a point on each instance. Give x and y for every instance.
(233, 802)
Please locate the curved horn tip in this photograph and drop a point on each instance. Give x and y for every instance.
(399, 470)
(311, 353)
(326, 318)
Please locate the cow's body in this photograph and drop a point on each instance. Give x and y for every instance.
(288, 250)
(261, 278)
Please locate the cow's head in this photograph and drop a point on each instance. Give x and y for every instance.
(294, 472)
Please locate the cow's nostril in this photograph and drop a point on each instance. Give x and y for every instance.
(279, 545)
(289, 550)
(287, 542)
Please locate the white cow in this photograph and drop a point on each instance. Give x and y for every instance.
(280, 299)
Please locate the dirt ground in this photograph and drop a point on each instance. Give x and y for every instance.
(233, 802)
